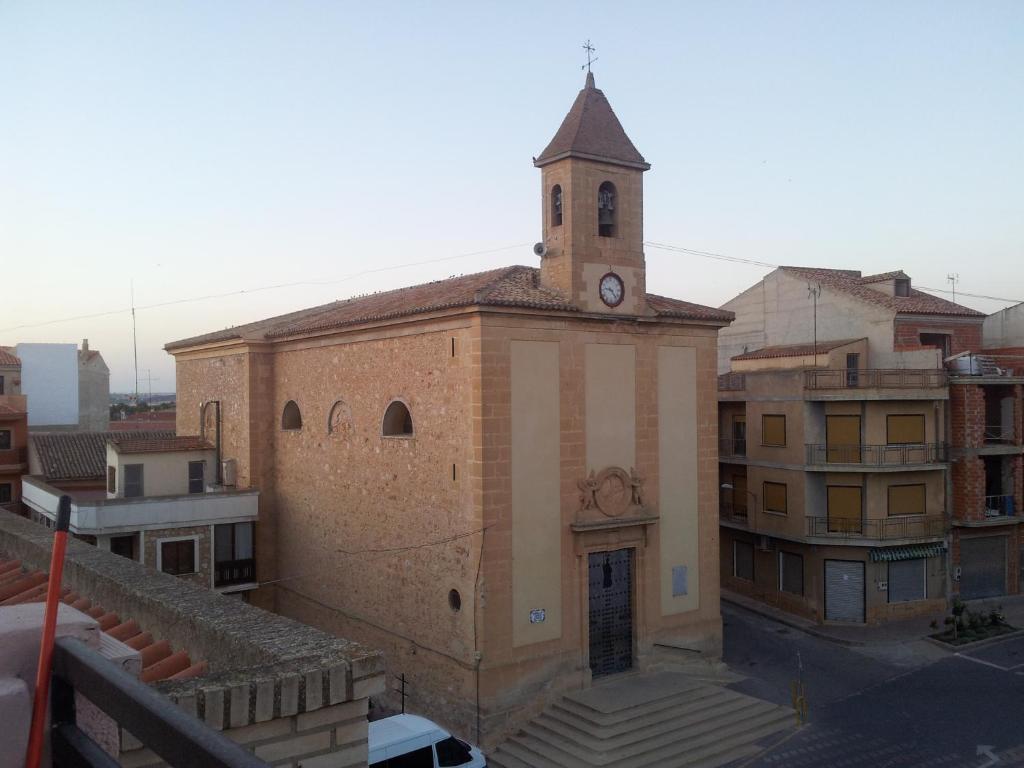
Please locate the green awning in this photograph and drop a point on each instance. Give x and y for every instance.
(889, 554)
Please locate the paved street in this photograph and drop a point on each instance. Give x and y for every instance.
(883, 705)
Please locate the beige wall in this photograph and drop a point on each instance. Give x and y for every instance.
(610, 387)
(536, 532)
(163, 474)
(677, 472)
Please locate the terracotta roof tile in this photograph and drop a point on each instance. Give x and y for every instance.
(850, 282)
(591, 130)
(515, 286)
(149, 444)
(794, 350)
(159, 660)
(78, 455)
(8, 358)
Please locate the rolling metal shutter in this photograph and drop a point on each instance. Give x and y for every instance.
(982, 567)
(844, 590)
(743, 560)
(907, 580)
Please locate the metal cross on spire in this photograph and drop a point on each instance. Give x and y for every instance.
(590, 59)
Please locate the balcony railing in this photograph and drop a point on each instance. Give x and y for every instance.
(877, 455)
(874, 378)
(731, 446)
(229, 572)
(732, 382)
(999, 435)
(732, 512)
(910, 527)
(159, 724)
(1000, 506)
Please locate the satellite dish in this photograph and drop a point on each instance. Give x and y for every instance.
(539, 249)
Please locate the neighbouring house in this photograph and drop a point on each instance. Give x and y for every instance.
(13, 449)
(10, 372)
(289, 693)
(67, 388)
(156, 498)
(507, 480)
(855, 484)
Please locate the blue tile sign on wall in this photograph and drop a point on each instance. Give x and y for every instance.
(537, 615)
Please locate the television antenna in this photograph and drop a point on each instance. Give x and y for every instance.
(953, 278)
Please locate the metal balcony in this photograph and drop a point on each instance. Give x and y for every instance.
(732, 513)
(228, 573)
(877, 455)
(1002, 505)
(999, 434)
(907, 527)
(732, 447)
(874, 378)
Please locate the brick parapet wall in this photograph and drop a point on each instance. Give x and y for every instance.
(965, 334)
(262, 665)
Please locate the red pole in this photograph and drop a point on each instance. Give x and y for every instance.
(60, 542)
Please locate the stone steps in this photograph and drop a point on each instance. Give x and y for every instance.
(662, 726)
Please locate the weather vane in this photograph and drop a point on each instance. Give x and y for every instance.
(590, 50)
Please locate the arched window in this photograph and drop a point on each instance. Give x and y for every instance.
(397, 420)
(606, 202)
(339, 421)
(291, 418)
(556, 205)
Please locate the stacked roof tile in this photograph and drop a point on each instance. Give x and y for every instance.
(853, 284)
(794, 350)
(78, 455)
(515, 286)
(159, 660)
(151, 444)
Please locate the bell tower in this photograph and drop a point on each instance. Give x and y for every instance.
(593, 213)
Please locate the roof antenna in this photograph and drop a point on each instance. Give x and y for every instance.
(590, 50)
(953, 278)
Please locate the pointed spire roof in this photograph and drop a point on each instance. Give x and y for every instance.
(593, 132)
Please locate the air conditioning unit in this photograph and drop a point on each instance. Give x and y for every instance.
(764, 544)
(229, 472)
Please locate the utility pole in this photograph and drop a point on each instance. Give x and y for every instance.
(135, 343)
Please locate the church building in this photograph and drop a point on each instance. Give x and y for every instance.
(507, 481)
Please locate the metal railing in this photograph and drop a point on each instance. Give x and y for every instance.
(229, 572)
(732, 512)
(998, 433)
(877, 455)
(874, 378)
(909, 527)
(1002, 505)
(730, 446)
(732, 382)
(156, 721)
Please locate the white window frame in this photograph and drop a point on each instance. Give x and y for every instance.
(170, 539)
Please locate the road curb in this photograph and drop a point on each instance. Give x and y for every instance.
(976, 644)
(795, 624)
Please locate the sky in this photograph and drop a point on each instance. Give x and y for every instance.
(181, 150)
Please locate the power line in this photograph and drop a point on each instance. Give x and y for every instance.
(258, 289)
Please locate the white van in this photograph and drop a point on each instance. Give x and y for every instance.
(408, 741)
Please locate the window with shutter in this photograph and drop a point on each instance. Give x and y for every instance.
(844, 509)
(132, 480)
(842, 438)
(907, 499)
(903, 429)
(773, 429)
(775, 498)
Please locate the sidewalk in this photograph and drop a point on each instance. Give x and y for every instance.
(901, 631)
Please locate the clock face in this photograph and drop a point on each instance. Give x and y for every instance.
(611, 289)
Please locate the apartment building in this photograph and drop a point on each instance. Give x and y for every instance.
(13, 451)
(163, 501)
(843, 456)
